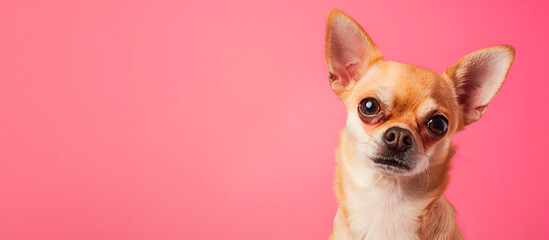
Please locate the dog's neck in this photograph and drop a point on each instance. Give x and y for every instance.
(375, 206)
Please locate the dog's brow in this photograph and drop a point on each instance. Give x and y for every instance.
(427, 106)
(384, 95)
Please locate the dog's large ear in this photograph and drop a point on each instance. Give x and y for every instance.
(349, 51)
(478, 77)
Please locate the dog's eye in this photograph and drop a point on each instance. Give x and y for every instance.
(369, 107)
(438, 125)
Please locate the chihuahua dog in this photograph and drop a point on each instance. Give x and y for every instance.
(394, 153)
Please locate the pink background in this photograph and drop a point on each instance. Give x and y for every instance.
(215, 120)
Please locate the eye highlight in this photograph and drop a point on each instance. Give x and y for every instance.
(438, 125)
(369, 107)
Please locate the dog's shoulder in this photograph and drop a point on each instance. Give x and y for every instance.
(439, 222)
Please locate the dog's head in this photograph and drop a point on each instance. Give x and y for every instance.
(401, 116)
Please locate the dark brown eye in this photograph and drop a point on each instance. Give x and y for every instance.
(438, 125)
(369, 107)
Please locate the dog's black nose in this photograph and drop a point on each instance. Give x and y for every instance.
(398, 139)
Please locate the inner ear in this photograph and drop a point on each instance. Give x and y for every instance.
(478, 77)
(349, 50)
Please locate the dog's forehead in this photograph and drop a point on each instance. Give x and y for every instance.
(406, 87)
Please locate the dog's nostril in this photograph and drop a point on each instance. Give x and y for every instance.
(390, 137)
(407, 140)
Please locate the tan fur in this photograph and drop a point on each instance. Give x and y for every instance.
(376, 202)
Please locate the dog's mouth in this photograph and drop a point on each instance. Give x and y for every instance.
(393, 163)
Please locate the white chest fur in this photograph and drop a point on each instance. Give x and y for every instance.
(384, 213)
(377, 207)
